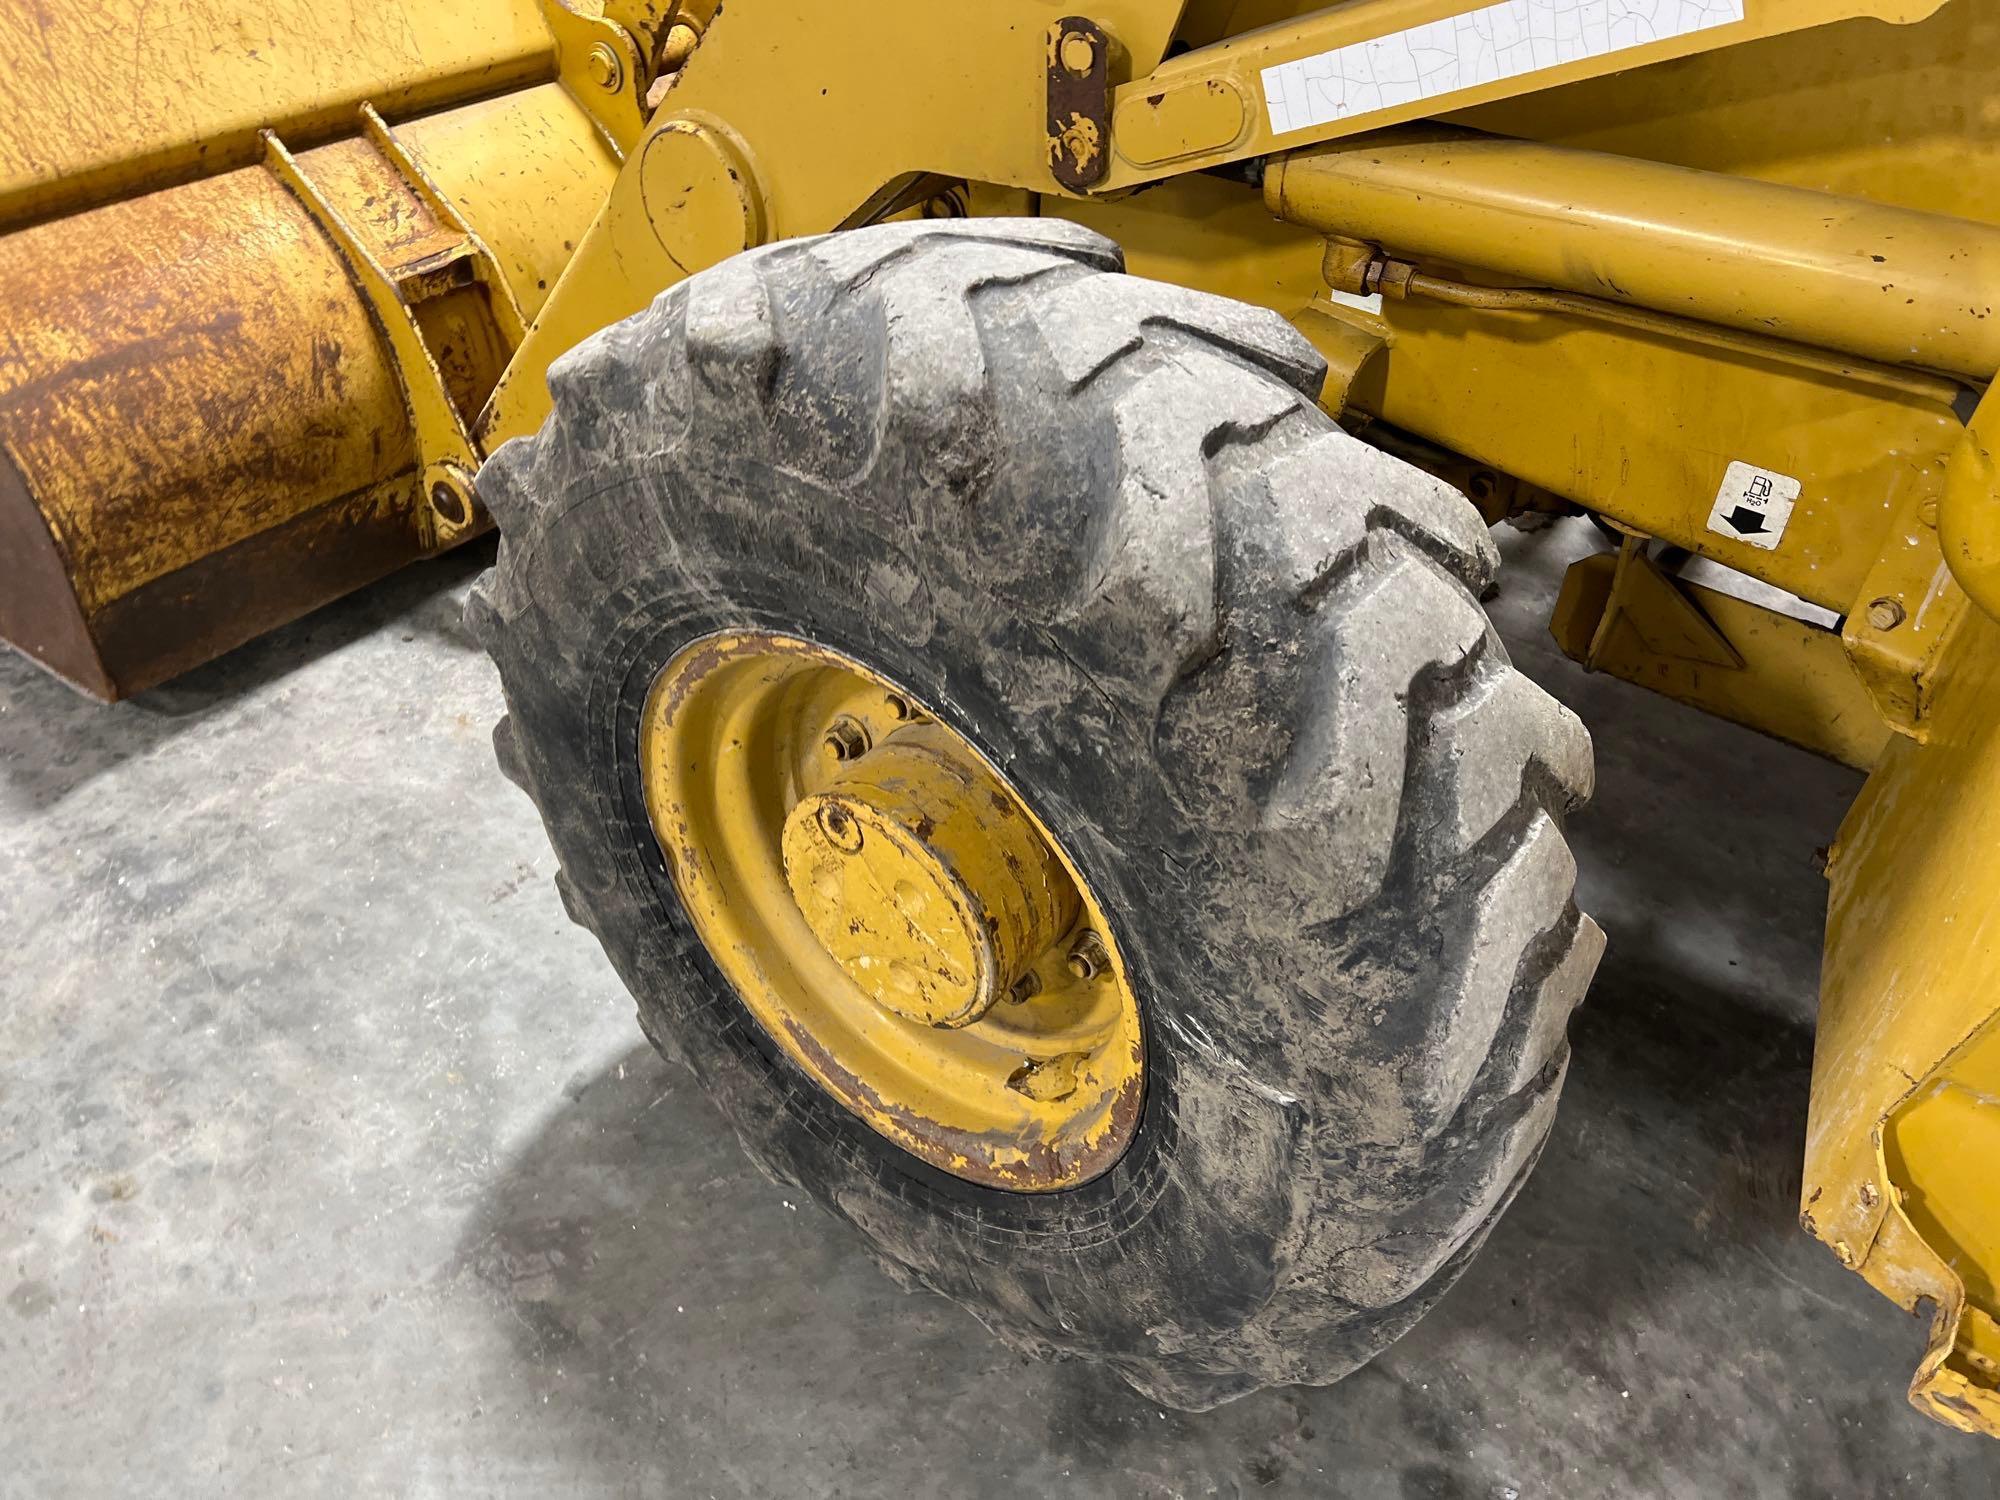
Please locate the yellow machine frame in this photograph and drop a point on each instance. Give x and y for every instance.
(272, 309)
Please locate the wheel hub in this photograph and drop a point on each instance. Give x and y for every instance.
(891, 912)
(915, 872)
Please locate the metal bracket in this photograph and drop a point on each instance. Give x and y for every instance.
(1622, 614)
(1668, 623)
(1079, 118)
(601, 68)
(1909, 607)
(447, 455)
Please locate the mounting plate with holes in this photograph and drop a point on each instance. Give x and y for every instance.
(894, 915)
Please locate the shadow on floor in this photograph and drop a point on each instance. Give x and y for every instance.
(54, 741)
(692, 1311)
(1647, 1319)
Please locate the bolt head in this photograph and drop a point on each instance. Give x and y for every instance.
(1885, 613)
(845, 739)
(1088, 957)
(1025, 988)
(605, 70)
(1078, 53)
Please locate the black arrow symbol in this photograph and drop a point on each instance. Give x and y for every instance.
(1749, 522)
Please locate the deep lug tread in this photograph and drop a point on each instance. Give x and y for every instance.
(1186, 572)
(1510, 913)
(1396, 618)
(1148, 583)
(1477, 752)
(1090, 324)
(733, 349)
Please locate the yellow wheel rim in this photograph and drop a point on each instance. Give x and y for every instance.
(894, 915)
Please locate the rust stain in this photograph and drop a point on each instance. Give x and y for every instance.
(1044, 1163)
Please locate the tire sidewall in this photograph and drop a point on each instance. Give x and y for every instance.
(1209, 1208)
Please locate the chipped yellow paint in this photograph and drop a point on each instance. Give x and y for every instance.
(1904, 1126)
(894, 915)
(102, 101)
(204, 418)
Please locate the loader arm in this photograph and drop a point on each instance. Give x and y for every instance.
(757, 140)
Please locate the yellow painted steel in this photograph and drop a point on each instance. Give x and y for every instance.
(899, 921)
(757, 142)
(403, 297)
(1643, 427)
(1722, 654)
(1907, 613)
(1969, 514)
(104, 101)
(522, 170)
(1206, 107)
(1889, 284)
(914, 872)
(1894, 114)
(603, 64)
(1904, 1128)
(203, 424)
(808, 140)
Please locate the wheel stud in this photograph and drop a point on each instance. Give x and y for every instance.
(845, 738)
(1087, 956)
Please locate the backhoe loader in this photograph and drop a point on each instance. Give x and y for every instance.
(993, 503)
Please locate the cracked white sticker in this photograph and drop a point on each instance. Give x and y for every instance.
(1753, 505)
(1486, 45)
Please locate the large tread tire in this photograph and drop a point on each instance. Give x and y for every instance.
(1232, 655)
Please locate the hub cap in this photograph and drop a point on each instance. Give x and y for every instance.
(896, 918)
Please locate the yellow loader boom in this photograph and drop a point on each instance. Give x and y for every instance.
(1722, 273)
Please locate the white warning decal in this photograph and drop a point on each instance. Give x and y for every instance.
(1753, 505)
(1487, 45)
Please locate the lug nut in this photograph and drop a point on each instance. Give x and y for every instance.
(1025, 988)
(1088, 956)
(899, 708)
(1885, 613)
(845, 738)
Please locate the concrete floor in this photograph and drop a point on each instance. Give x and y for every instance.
(332, 1162)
